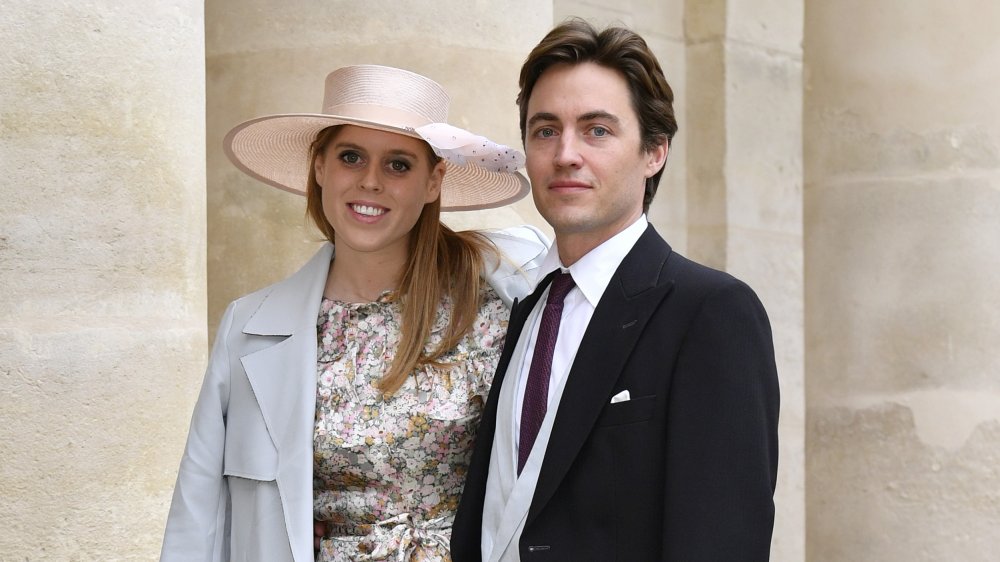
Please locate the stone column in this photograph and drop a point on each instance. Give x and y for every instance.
(102, 312)
(902, 214)
(269, 58)
(744, 193)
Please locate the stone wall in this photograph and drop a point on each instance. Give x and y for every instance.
(902, 219)
(102, 244)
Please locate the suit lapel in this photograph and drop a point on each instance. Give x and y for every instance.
(283, 378)
(633, 295)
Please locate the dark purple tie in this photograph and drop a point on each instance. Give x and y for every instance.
(536, 393)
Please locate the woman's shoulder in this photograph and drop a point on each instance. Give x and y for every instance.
(299, 291)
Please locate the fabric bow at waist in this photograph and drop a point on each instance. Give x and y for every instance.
(399, 538)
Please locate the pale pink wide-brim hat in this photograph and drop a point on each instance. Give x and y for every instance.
(480, 174)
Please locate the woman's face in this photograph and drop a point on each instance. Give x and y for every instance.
(374, 186)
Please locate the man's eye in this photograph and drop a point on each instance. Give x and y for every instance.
(599, 131)
(546, 132)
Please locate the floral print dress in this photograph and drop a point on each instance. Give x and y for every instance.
(388, 473)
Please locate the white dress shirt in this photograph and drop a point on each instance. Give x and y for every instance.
(591, 273)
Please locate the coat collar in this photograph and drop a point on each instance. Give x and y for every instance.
(280, 313)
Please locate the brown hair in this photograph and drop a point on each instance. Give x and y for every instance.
(574, 42)
(442, 263)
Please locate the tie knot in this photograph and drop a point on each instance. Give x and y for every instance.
(562, 283)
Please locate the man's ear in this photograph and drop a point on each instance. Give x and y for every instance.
(656, 158)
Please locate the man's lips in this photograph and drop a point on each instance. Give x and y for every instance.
(568, 185)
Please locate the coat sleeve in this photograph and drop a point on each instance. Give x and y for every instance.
(722, 443)
(198, 523)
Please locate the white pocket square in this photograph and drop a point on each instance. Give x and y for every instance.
(622, 396)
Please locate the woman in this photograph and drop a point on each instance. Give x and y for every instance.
(351, 391)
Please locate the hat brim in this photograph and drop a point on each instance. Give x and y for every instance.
(275, 150)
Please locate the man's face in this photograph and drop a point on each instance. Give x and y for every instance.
(584, 156)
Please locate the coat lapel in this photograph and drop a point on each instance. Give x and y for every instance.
(633, 295)
(283, 378)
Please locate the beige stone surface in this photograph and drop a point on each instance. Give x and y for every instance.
(911, 65)
(916, 300)
(877, 492)
(707, 148)
(764, 140)
(902, 214)
(705, 20)
(772, 25)
(102, 323)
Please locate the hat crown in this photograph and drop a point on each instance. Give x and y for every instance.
(367, 91)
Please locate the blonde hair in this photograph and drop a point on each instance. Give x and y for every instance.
(441, 263)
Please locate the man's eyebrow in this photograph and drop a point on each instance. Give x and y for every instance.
(542, 116)
(599, 116)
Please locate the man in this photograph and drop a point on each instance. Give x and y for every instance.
(637, 418)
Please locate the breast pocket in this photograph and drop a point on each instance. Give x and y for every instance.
(635, 410)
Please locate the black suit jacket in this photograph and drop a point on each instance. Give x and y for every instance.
(684, 471)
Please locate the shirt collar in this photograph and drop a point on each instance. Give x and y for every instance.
(594, 270)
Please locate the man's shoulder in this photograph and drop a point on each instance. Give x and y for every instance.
(653, 258)
(684, 270)
(697, 281)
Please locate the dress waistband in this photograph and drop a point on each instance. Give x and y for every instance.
(404, 520)
(396, 537)
(347, 530)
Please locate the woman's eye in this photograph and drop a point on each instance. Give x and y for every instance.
(399, 166)
(350, 157)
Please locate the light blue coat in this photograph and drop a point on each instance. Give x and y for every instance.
(244, 488)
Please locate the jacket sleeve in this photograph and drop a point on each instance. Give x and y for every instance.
(522, 249)
(722, 443)
(198, 523)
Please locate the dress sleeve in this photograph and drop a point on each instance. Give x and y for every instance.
(488, 335)
(198, 523)
(522, 249)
